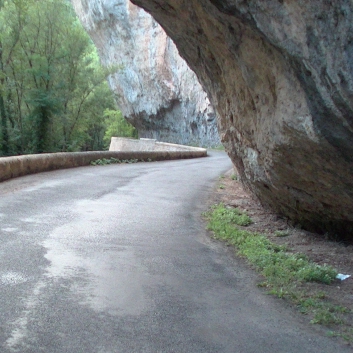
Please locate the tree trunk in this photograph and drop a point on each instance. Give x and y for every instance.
(4, 132)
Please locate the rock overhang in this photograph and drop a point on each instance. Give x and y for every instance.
(280, 76)
(154, 88)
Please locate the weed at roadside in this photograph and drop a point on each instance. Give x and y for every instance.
(281, 233)
(112, 160)
(284, 272)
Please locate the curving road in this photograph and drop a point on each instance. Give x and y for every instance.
(116, 259)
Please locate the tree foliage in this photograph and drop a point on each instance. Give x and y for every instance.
(117, 126)
(53, 92)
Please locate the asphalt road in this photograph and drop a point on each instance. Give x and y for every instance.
(116, 259)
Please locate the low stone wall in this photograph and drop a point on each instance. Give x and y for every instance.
(12, 167)
(144, 144)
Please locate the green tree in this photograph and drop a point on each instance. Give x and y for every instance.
(9, 37)
(53, 91)
(117, 126)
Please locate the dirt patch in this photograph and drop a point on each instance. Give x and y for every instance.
(316, 247)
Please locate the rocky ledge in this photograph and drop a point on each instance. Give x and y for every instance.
(280, 75)
(154, 87)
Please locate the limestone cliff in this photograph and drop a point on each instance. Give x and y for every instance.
(280, 75)
(155, 89)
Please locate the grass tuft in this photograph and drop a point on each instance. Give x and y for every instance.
(281, 233)
(273, 261)
(112, 160)
(232, 216)
(284, 271)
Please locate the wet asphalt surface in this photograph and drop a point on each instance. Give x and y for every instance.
(116, 259)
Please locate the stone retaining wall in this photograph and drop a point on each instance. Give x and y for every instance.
(12, 167)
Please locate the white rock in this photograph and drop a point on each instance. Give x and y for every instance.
(155, 89)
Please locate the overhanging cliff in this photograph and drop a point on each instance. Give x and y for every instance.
(155, 89)
(280, 76)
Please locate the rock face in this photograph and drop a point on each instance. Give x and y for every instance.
(155, 89)
(280, 75)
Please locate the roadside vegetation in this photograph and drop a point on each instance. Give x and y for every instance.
(216, 148)
(112, 160)
(54, 94)
(285, 274)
